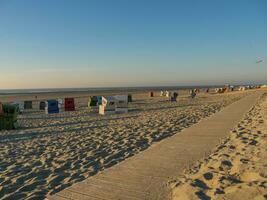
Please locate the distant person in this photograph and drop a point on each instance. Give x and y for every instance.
(174, 97)
(193, 94)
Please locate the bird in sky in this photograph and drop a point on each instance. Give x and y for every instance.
(259, 61)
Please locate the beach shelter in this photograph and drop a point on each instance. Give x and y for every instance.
(8, 116)
(99, 100)
(60, 102)
(167, 93)
(223, 90)
(20, 106)
(27, 105)
(108, 105)
(69, 104)
(174, 96)
(241, 88)
(52, 106)
(193, 94)
(121, 103)
(42, 105)
(92, 103)
(151, 94)
(130, 98)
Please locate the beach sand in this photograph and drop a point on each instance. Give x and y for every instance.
(51, 152)
(237, 169)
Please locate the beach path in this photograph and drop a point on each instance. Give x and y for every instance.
(146, 175)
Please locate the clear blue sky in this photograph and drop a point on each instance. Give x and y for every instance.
(89, 43)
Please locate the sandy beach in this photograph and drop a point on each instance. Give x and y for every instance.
(236, 169)
(133, 100)
(51, 152)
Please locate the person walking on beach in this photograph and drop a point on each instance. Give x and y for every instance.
(174, 97)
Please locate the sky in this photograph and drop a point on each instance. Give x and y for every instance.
(121, 43)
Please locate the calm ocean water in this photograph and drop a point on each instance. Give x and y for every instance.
(106, 89)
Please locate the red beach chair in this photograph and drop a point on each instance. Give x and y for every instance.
(69, 104)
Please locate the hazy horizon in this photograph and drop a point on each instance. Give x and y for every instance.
(140, 86)
(81, 44)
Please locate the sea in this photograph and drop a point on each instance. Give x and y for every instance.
(99, 89)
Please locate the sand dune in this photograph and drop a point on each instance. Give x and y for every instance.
(51, 152)
(236, 169)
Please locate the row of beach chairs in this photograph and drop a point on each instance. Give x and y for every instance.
(99, 104)
(50, 106)
(68, 104)
(110, 104)
(170, 94)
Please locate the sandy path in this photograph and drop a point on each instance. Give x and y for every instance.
(236, 169)
(52, 152)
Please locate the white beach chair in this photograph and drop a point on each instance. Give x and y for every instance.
(60, 103)
(121, 103)
(108, 106)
